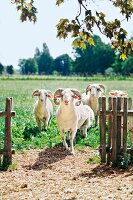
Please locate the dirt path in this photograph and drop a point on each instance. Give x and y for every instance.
(52, 174)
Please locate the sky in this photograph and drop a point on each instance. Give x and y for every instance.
(19, 40)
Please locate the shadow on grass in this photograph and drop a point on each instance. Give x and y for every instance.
(29, 132)
(47, 157)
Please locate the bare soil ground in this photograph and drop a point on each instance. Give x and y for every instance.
(53, 174)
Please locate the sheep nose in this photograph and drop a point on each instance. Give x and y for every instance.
(66, 102)
(42, 100)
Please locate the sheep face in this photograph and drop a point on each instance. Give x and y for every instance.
(67, 96)
(42, 95)
(95, 90)
(118, 93)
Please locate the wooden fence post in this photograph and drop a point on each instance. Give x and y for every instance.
(119, 128)
(125, 112)
(119, 109)
(7, 151)
(110, 125)
(102, 121)
(114, 135)
(130, 108)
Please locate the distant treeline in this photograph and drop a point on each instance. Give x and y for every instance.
(97, 59)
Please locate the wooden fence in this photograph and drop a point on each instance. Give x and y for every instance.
(113, 129)
(7, 150)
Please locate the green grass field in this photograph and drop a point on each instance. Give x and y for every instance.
(24, 130)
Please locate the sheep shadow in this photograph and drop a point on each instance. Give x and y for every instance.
(106, 171)
(47, 157)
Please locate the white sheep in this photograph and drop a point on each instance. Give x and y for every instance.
(72, 114)
(43, 109)
(120, 93)
(90, 98)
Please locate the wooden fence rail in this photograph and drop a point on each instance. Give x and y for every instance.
(7, 150)
(113, 129)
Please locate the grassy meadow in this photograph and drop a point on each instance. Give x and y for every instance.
(25, 134)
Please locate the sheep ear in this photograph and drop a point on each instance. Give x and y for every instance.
(57, 95)
(76, 93)
(36, 93)
(112, 93)
(102, 86)
(124, 94)
(49, 94)
(88, 88)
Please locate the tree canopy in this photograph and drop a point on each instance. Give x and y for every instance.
(63, 64)
(81, 27)
(9, 69)
(1, 68)
(95, 59)
(99, 59)
(28, 66)
(44, 60)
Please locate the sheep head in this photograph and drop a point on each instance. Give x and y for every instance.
(95, 89)
(118, 93)
(43, 94)
(66, 95)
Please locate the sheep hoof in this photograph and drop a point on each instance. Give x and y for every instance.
(72, 152)
(66, 147)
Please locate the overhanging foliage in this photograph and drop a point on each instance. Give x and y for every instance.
(82, 29)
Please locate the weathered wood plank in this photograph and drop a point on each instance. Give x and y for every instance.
(110, 125)
(102, 122)
(5, 114)
(119, 113)
(119, 127)
(7, 153)
(125, 125)
(114, 135)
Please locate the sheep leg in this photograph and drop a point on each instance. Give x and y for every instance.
(64, 139)
(45, 122)
(72, 136)
(48, 120)
(68, 137)
(38, 124)
(85, 132)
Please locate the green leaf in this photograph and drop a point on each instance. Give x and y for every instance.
(91, 41)
(123, 56)
(29, 6)
(83, 45)
(75, 43)
(59, 2)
